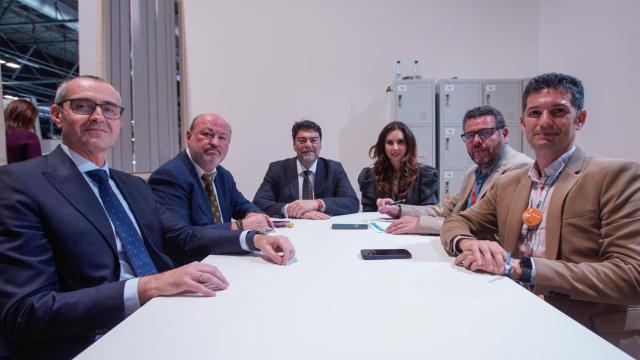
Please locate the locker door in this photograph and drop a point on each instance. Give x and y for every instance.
(515, 137)
(450, 183)
(425, 143)
(414, 102)
(456, 98)
(453, 149)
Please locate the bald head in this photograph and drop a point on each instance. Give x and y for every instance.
(212, 117)
(208, 140)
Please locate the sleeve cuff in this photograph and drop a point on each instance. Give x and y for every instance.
(131, 301)
(246, 237)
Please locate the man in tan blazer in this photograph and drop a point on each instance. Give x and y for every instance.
(569, 227)
(486, 138)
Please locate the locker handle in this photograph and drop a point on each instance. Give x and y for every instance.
(447, 197)
(446, 143)
(488, 99)
(400, 100)
(446, 100)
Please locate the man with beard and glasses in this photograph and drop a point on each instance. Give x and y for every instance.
(196, 190)
(485, 135)
(306, 186)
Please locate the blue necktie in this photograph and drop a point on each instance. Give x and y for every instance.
(131, 241)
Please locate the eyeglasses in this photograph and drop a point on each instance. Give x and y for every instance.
(484, 134)
(87, 107)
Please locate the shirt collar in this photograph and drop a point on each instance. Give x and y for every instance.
(301, 168)
(554, 169)
(83, 163)
(198, 168)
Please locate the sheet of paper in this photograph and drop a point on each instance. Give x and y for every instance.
(379, 226)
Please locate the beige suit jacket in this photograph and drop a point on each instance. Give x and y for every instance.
(432, 216)
(591, 269)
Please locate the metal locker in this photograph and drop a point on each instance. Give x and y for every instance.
(453, 149)
(515, 137)
(506, 96)
(526, 148)
(455, 97)
(414, 104)
(425, 139)
(451, 181)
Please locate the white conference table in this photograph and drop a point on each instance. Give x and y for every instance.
(330, 303)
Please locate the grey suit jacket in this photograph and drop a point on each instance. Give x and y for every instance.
(432, 216)
(591, 269)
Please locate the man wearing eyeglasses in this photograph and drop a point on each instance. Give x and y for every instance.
(568, 227)
(486, 138)
(306, 186)
(81, 244)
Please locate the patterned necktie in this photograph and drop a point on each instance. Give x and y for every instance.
(307, 190)
(213, 200)
(129, 237)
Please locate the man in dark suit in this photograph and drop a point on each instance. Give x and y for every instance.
(81, 245)
(195, 190)
(307, 186)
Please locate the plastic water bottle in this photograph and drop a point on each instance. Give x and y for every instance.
(416, 70)
(398, 73)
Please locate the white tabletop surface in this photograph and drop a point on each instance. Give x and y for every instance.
(330, 303)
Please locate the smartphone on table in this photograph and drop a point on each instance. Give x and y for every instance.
(384, 254)
(349, 226)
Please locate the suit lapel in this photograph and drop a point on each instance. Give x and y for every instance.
(198, 189)
(564, 184)
(518, 203)
(218, 182)
(291, 174)
(64, 175)
(319, 178)
(466, 191)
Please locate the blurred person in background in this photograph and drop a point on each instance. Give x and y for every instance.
(22, 143)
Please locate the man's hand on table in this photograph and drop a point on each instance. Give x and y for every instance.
(481, 255)
(273, 245)
(195, 277)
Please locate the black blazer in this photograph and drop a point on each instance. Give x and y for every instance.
(59, 268)
(423, 190)
(280, 187)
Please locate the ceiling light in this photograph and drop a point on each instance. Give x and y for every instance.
(2, 61)
(10, 97)
(13, 65)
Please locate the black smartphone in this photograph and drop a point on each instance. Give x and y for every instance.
(383, 254)
(349, 226)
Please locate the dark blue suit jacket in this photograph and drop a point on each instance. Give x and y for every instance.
(59, 269)
(180, 193)
(280, 187)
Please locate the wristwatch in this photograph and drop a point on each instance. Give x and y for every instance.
(527, 269)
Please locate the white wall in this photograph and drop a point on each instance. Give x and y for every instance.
(266, 64)
(599, 42)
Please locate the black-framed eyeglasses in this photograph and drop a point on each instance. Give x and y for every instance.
(484, 134)
(87, 107)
